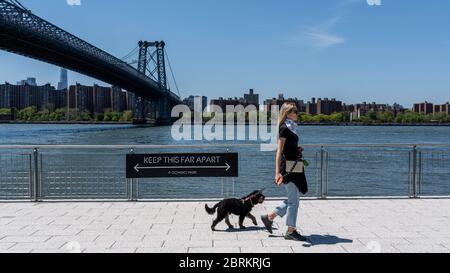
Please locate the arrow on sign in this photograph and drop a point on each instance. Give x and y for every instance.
(227, 167)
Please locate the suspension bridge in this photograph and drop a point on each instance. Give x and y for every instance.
(26, 34)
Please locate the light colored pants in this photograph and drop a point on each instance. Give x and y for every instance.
(290, 206)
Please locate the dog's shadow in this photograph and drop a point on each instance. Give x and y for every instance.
(248, 229)
(317, 240)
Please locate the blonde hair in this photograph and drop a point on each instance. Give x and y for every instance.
(285, 110)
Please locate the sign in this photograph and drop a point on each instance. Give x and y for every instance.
(182, 165)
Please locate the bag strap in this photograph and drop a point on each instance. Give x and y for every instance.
(293, 167)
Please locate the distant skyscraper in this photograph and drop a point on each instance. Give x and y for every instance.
(63, 81)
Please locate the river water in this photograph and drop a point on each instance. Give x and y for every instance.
(127, 134)
(349, 171)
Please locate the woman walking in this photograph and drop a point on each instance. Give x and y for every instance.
(289, 173)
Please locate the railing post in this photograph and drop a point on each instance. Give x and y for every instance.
(322, 187)
(327, 156)
(130, 187)
(41, 177)
(233, 180)
(419, 176)
(36, 176)
(30, 177)
(414, 173)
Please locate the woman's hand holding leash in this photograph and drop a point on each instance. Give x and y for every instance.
(279, 179)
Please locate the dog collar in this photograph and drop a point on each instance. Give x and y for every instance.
(249, 199)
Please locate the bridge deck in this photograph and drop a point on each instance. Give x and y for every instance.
(332, 226)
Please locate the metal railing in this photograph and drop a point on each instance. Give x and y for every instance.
(95, 172)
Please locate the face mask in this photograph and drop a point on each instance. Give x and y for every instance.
(292, 125)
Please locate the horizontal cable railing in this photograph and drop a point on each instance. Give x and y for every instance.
(211, 145)
(96, 172)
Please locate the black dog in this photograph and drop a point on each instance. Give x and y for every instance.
(240, 207)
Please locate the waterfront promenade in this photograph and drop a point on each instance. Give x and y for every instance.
(336, 226)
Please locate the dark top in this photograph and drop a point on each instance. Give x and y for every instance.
(291, 153)
(291, 146)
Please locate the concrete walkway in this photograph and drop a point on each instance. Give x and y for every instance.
(332, 226)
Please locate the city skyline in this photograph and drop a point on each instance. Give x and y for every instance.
(238, 95)
(344, 49)
(101, 99)
(252, 97)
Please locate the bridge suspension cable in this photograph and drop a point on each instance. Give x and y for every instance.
(130, 54)
(171, 72)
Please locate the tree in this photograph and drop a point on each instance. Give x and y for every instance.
(5, 111)
(127, 116)
(399, 118)
(115, 117)
(43, 115)
(372, 115)
(108, 116)
(27, 114)
(321, 118)
(54, 116)
(411, 117)
(61, 113)
(303, 117)
(337, 117)
(385, 117)
(365, 120)
(85, 116)
(99, 117)
(441, 117)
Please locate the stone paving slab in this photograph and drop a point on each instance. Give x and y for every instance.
(332, 226)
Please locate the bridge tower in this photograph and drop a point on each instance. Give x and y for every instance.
(162, 104)
(139, 105)
(158, 108)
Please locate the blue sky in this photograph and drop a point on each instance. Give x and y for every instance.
(396, 52)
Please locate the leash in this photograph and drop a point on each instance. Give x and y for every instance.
(284, 176)
(261, 191)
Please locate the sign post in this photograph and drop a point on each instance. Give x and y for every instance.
(182, 165)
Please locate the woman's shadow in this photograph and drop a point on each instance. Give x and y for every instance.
(313, 240)
(317, 240)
